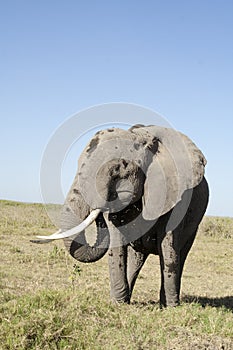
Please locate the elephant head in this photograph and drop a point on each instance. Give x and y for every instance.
(148, 164)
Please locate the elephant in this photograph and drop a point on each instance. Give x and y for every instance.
(141, 191)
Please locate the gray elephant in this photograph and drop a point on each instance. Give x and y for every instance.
(145, 192)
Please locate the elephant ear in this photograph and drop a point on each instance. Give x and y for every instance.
(177, 165)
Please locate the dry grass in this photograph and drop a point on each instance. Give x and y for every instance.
(49, 301)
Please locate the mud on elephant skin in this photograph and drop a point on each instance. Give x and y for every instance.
(140, 191)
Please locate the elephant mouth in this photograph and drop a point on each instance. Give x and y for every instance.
(125, 191)
(125, 195)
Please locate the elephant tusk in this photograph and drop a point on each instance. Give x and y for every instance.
(73, 231)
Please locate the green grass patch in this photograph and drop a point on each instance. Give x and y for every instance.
(50, 301)
(64, 319)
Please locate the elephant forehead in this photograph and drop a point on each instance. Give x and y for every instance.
(111, 143)
(111, 150)
(112, 134)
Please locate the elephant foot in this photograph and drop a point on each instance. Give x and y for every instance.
(170, 304)
(169, 301)
(120, 301)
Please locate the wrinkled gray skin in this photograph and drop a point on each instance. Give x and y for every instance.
(128, 245)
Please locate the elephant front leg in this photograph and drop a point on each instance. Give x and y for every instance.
(117, 256)
(134, 264)
(170, 269)
(117, 272)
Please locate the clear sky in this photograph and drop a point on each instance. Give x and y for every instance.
(60, 57)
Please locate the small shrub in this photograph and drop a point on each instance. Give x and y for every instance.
(219, 227)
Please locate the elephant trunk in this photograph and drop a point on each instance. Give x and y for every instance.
(76, 217)
(75, 212)
(81, 250)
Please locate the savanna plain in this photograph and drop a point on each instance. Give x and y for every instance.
(50, 301)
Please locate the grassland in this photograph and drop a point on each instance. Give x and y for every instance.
(50, 301)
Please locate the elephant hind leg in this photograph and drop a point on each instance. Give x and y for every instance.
(135, 262)
(172, 260)
(169, 255)
(185, 250)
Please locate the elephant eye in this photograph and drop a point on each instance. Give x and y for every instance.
(114, 171)
(124, 163)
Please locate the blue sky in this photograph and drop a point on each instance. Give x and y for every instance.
(60, 57)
